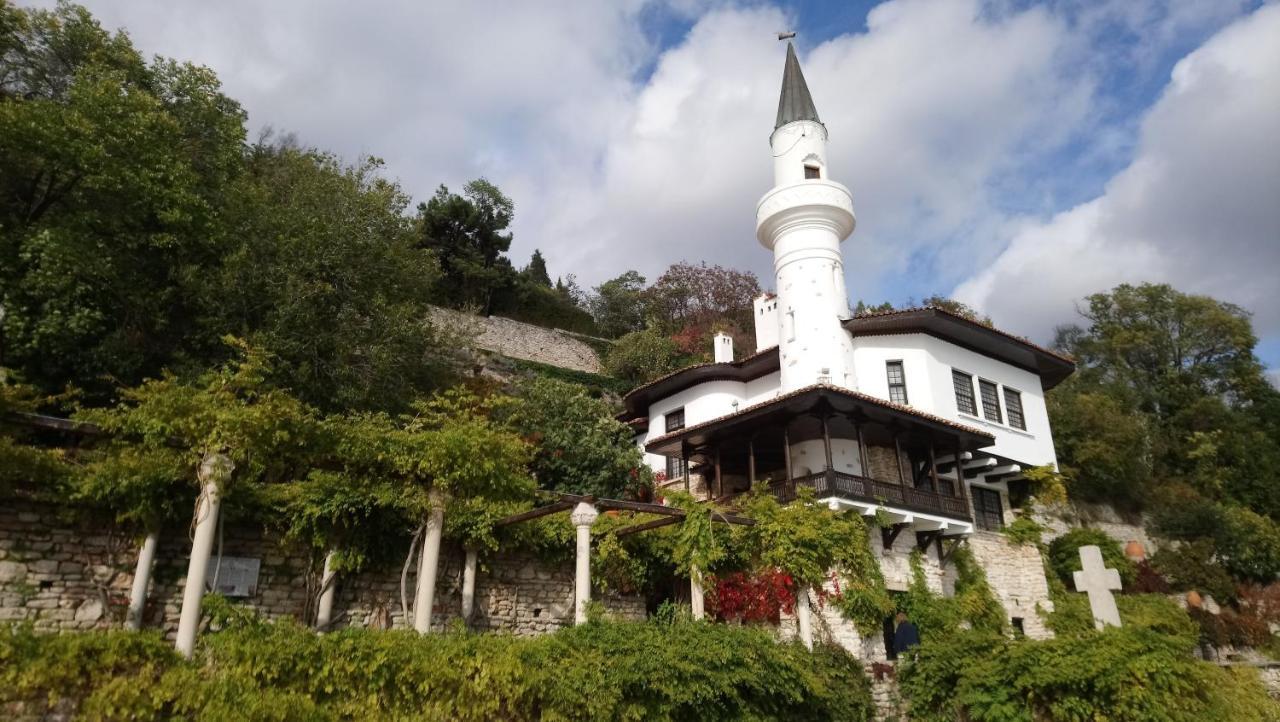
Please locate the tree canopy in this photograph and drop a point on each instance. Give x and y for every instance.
(1170, 412)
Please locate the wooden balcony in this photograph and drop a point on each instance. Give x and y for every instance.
(837, 484)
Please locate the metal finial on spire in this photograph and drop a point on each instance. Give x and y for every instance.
(786, 34)
(795, 102)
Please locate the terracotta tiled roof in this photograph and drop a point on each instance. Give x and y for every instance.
(858, 395)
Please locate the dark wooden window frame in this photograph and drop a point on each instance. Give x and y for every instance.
(990, 404)
(966, 399)
(676, 468)
(900, 385)
(1013, 408)
(812, 172)
(674, 419)
(988, 511)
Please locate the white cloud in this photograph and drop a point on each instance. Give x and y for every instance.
(922, 109)
(940, 112)
(1198, 207)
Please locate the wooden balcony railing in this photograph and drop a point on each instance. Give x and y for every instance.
(860, 488)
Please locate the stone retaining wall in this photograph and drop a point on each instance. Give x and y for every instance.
(519, 340)
(60, 575)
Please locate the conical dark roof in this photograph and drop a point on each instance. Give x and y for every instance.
(795, 102)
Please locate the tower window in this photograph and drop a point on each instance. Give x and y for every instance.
(811, 172)
(897, 382)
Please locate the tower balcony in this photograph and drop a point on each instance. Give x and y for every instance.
(809, 203)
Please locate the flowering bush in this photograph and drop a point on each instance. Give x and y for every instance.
(753, 598)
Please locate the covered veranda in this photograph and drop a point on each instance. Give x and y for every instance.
(853, 450)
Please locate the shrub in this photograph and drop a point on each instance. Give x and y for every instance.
(1122, 674)
(1064, 555)
(1072, 616)
(642, 356)
(1146, 580)
(282, 671)
(1249, 545)
(1192, 566)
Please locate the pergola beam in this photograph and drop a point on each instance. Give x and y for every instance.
(648, 525)
(535, 513)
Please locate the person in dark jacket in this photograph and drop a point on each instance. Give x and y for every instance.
(905, 636)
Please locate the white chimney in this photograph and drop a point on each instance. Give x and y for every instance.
(723, 348)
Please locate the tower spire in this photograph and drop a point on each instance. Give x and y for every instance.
(795, 102)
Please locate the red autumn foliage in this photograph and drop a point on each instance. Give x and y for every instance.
(753, 598)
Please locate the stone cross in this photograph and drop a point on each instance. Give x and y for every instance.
(1096, 579)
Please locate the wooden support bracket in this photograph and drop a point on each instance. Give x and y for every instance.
(925, 538)
(947, 548)
(888, 534)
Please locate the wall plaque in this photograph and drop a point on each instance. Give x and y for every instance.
(237, 576)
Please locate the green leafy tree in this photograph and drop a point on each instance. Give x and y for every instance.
(641, 356)
(162, 429)
(110, 174)
(579, 446)
(322, 269)
(1105, 448)
(536, 271)
(693, 302)
(467, 234)
(1170, 381)
(618, 305)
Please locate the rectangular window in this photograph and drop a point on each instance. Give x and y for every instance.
(676, 468)
(990, 400)
(675, 420)
(811, 173)
(964, 392)
(1013, 405)
(897, 382)
(987, 511)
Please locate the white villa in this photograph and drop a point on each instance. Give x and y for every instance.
(921, 413)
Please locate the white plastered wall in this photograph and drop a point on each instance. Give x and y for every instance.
(927, 365)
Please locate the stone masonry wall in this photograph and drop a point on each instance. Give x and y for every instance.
(61, 575)
(520, 340)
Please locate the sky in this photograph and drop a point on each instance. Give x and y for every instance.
(1017, 156)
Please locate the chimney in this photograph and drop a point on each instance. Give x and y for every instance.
(723, 348)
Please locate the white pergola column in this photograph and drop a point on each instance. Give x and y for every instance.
(469, 584)
(804, 618)
(141, 580)
(214, 472)
(584, 515)
(430, 564)
(328, 587)
(697, 598)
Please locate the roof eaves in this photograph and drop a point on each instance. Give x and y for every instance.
(828, 387)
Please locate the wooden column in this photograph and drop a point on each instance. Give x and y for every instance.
(897, 452)
(826, 442)
(786, 449)
(933, 468)
(719, 479)
(684, 463)
(751, 462)
(960, 491)
(862, 450)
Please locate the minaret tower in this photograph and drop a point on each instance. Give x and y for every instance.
(803, 220)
